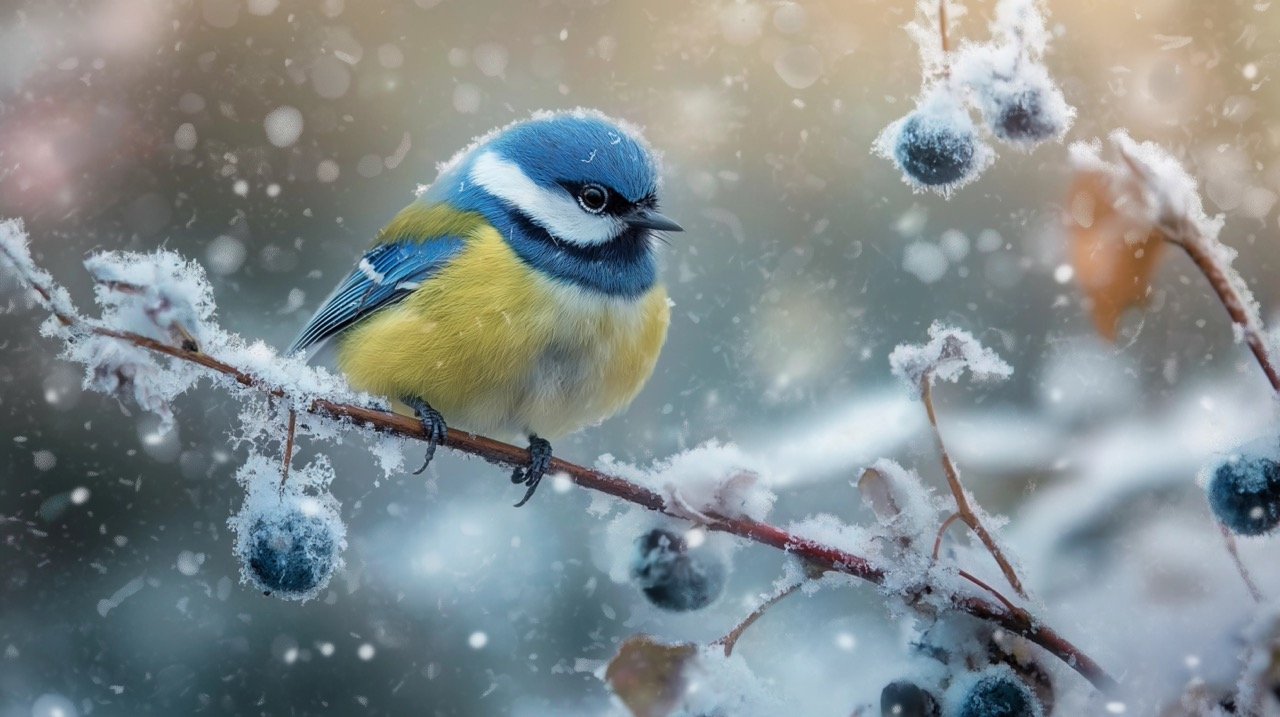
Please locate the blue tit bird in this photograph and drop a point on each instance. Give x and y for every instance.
(518, 295)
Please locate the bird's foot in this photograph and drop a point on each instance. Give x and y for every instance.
(531, 475)
(432, 424)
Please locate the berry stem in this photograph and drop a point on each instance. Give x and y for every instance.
(1230, 540)
(731, 639)
(942, 530)
(963, 507)
(970, 577)
(288, 446)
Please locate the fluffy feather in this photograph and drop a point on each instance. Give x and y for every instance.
(499, 300)
(499, 349)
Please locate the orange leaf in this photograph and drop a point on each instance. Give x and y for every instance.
(1114, 254)
(648, 676)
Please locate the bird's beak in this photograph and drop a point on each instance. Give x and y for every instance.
(650, 219)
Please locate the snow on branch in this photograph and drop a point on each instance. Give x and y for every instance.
(1150, 187)
(948, 353)
(156, 338)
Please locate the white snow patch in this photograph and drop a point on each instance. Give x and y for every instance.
(946, 356)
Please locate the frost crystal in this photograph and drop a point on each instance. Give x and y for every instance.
(160, 295)
(1158, 189)
(949, 352)
(15, 256)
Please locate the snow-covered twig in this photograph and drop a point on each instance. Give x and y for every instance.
(948, 354)
(337, 405)
(1151, 185)
(963, 508)
(1236, 303)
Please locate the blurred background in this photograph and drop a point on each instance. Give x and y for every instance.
(270, 139)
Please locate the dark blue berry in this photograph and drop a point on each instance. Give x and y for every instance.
(291, 553)
(902, 698)
(1244, 493)
(1021, 117)
(674, 576)
(998, 695)
(933, 152)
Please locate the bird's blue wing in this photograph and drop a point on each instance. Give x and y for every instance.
(386, 274)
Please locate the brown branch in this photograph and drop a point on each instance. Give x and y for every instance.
(999, 596)
(823, 557)
(1180, 229)
(942, 530)
(963, 508)
(818, 558)
(1232, 302)
(731, 639)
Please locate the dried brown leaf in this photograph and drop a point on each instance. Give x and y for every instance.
(877, 493)
(648, 676)
(1114, 254)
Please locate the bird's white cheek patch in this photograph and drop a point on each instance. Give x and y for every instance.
(552, 210)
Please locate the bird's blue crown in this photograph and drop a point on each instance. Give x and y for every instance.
(574, 193)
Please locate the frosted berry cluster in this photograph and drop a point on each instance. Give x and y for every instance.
(938, 146)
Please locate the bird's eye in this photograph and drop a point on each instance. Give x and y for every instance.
(593, 198)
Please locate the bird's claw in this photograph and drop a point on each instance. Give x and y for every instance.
(433, 425)
(539, 462)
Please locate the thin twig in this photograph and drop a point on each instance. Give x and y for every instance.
(942, 530)
(1230, 540)
(820, 557)
(963, 508)
(1233, 303)
(942, 27)
(1185, 233)
(731, 639)
(971, 578)
(288, 446)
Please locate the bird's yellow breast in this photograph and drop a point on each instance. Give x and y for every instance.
(500, 349)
